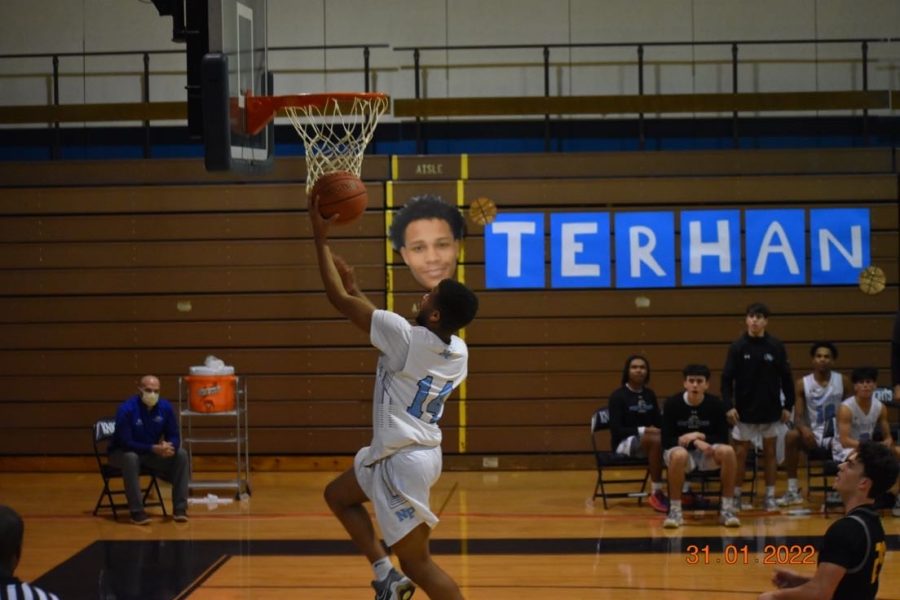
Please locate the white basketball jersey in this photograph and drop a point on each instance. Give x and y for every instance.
(416, 373)
(822, 402)
(862, 425)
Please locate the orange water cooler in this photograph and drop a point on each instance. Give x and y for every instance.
(212, 405)
(211, 393)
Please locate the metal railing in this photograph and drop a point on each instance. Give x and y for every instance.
(417, 51)
(639, 47)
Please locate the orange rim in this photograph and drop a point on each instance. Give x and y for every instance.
(262, 109)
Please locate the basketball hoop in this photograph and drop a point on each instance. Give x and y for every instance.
(335, 127)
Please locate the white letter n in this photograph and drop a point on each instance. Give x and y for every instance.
(855, 257)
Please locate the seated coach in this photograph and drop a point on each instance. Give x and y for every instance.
(147, 435)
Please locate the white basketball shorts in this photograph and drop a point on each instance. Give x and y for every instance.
(399, 487)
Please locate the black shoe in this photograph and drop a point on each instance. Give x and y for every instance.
(140, 518)
(180, 516)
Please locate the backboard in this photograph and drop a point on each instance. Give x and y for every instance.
(235, 66)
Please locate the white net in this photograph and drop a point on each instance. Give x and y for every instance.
(335, 135)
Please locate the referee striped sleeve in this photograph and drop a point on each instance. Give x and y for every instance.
(24, 591)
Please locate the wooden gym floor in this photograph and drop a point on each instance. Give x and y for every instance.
(503, 536)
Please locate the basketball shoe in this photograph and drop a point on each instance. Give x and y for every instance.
(729, 519)
(790, 498)
(674, 520)
(658, 501)
(832, 498)
(395, 586)
(140, 518)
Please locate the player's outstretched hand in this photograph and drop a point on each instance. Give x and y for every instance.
(320, 224)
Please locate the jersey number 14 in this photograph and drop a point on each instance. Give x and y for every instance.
(422, 404)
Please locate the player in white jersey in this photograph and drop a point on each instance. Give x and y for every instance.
(418, 368)
(860, 415)
(818, 396)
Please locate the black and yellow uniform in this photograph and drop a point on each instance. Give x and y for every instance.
(856, 542)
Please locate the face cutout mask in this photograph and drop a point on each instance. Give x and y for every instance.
(149, 398)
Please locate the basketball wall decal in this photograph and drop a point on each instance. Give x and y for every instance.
(872, 280)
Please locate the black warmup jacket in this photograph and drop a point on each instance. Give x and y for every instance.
(756, 372)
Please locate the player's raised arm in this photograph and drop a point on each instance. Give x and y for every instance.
(357, 308)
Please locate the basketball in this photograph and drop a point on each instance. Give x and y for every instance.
(340, 193)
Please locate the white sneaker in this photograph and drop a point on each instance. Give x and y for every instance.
(674, 519)
(790, 498)
(728, 519)
(896, 510)
(770, 504)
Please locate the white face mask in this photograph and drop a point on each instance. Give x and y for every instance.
(149, 398)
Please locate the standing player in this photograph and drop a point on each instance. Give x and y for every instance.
(418, 368)
(854, 548)
(635, 423)
(819, 394)
(756, 374)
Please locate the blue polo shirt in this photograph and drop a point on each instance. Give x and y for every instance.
(139, 428)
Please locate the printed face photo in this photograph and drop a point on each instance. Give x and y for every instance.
(430, 251)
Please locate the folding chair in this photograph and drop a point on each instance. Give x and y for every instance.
(752, 465)
(820, 464)
(705, 478)
(610, 460)
(714, 477)
(102, 433)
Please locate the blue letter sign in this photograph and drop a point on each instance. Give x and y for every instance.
(840, 244)
(776, 247)
(710, 247)
(645, 250)
(514, 251)
(580, 250)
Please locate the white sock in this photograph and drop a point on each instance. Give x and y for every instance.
(737, 493)
(727, 503)
(656, 486)
(792, 485)
(675, 505)
(770, 491)
(382, 567)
